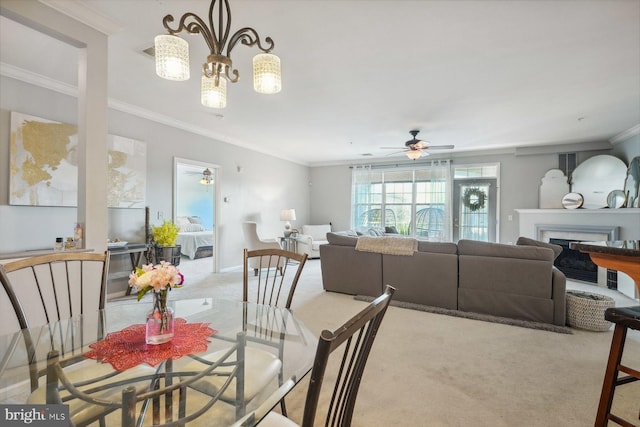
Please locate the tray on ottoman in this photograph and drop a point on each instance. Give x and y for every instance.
(585, 310)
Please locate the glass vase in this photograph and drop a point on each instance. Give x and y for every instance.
(159, 320)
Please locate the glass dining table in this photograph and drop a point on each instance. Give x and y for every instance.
(229, 363)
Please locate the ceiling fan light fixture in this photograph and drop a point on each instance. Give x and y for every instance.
(267, 75)
(414, 154)
(172, 57)
(212, 95)
(207, 177)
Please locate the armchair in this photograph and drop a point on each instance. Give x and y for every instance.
(254, 242)
(311, 238)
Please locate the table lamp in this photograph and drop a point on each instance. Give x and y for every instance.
(287, 215)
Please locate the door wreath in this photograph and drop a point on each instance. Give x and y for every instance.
(474, 199)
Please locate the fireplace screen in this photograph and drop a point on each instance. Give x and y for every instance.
(575, 264)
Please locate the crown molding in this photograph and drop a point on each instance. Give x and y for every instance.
(623, 136)
(39, 80)
(88, 15)
(36, 79)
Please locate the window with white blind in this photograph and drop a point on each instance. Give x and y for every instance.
(412, 201)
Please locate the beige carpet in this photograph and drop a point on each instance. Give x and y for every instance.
(434, 370)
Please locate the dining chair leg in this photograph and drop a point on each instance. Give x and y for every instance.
(128, 407)
(611, 375)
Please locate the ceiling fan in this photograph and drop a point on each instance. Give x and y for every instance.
(206, 176)
(415, 148)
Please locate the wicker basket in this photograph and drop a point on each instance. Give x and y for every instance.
(585, 310)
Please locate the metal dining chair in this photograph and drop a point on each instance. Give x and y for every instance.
(159, 389)
(44, 290)
(56, 286)
(273, 286)
(47, 288)
(355, 338)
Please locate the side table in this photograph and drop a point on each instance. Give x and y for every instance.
(289, 244)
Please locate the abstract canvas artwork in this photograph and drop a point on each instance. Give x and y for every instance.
(44, 167)
(127, 172)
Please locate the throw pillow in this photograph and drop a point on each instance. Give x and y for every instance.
(195, 220)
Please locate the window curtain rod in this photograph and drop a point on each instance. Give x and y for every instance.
(400, 165)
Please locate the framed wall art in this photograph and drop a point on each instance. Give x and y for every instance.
(44, 168)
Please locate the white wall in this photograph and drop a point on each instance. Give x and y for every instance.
(263, 187)
(520, 178)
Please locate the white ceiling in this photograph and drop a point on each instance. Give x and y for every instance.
(358, 75)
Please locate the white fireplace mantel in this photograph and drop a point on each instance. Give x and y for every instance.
(584, 224)
(626, 219)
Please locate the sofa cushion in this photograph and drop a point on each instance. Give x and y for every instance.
(342, 238)
(525, 241)
(472, 247)
(437, 247)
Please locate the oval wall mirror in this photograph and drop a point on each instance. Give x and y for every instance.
(572, 201)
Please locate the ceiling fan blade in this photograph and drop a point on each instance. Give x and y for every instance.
(392, 148)
(439, 147)
(396, 152)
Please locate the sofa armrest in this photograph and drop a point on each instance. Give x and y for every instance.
(305, 239)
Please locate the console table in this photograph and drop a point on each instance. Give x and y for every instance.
(135, 251)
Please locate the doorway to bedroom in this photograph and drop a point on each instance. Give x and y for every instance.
(194, 211)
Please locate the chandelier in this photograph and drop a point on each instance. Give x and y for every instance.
(172, 55)
(207, 177)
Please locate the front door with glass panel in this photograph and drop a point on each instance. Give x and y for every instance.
(474, 209)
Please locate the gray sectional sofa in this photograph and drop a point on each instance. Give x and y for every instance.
(517, 281)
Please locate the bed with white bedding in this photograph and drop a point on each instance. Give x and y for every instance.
(193, 237)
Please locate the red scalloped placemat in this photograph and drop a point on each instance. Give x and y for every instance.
(127, 348)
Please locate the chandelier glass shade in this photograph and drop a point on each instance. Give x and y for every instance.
(172, 57)
(267, 77)
(212, 95)
(172, 54)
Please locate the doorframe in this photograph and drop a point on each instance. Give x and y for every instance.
(216, 200)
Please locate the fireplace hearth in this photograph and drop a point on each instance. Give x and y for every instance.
(585, 225)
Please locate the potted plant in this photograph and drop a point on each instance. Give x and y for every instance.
(164, 238)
